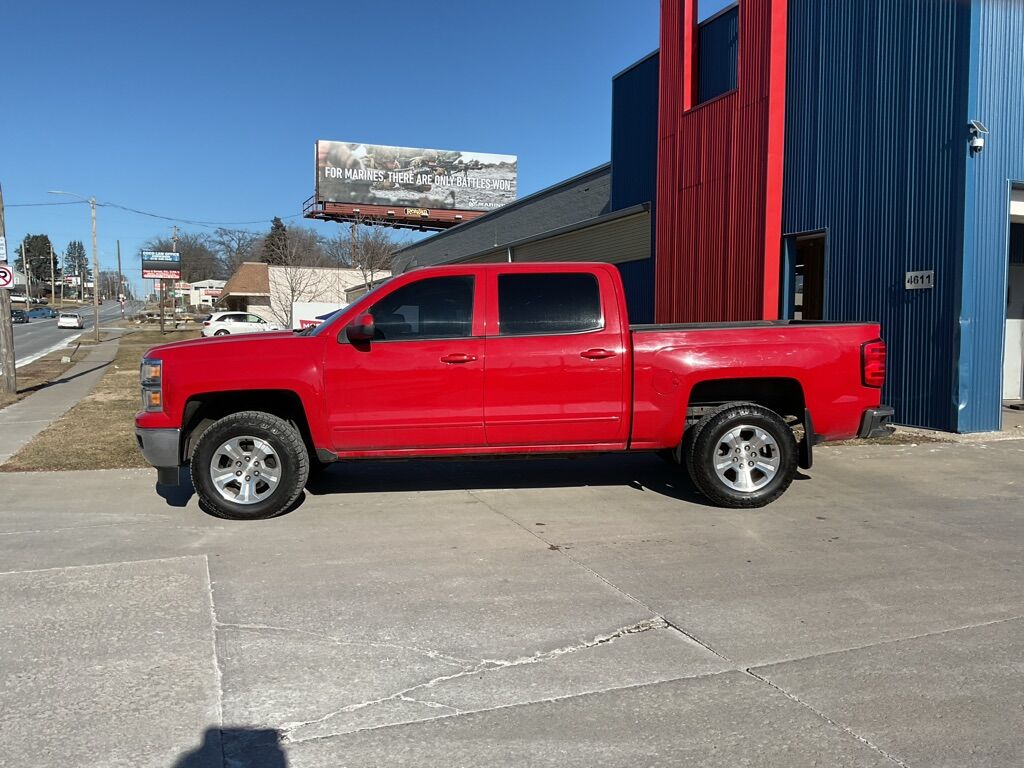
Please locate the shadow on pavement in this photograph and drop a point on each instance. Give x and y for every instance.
(642, 472)
(177, 495)
(251, 747)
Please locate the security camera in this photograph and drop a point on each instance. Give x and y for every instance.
(977, 130)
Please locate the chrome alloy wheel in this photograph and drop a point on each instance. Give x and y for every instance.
(746, 458)
(245, 470)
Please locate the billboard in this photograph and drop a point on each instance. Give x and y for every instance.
(404, 177)
(161, 265)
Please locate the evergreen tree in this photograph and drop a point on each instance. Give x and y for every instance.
(37, 257)
(76, 262)
(275, 245)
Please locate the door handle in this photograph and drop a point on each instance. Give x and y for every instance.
(598, 354)
(458, 358)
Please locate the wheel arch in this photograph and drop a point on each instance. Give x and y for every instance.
(203, 410)
(781, 394)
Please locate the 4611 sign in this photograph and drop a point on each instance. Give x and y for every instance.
(915, 281)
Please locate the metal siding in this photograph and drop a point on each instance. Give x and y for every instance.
(713, 176)
(874, 155)
(635, 170)
(717, 46)
(997, 100)
(623, 240)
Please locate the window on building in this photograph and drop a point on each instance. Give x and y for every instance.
(436, 308)
(717, 49)
(540, 304)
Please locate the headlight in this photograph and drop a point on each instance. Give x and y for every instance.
(152, 380)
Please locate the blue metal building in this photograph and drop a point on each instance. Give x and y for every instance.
(881, 180)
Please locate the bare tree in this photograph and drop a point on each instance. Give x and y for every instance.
(369, 247)
(235, 246)
(297, 272)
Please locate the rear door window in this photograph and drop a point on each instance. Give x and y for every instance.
(542, 304)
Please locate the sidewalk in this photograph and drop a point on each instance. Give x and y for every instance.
(20, 422)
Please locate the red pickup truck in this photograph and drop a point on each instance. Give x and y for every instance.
(505, 359)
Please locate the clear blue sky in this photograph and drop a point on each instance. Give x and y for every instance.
(209, 110)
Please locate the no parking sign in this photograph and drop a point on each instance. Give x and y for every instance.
(6, 277)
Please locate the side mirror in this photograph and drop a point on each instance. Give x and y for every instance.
(361, 329)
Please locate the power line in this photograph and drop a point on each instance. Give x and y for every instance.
(194, 222)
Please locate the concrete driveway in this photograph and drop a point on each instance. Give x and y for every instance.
(550, 612)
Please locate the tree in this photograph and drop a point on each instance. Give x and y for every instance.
(76, 262)
(300, 273)
(369, 248)
(275, 244)
(37, 257)
(235, 246)
(373, 251)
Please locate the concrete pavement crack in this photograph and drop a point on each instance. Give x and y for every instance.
(428, 652)
(836, 724)
(579, 564)
(486, 665)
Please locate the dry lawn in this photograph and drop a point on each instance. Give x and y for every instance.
(98, 432)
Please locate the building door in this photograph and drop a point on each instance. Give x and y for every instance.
(805, 276)
(1013, 354)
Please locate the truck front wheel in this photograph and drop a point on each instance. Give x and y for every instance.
(741, 456)
(249, 466)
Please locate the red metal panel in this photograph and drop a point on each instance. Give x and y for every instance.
(719, 213)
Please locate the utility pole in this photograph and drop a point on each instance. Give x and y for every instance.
(10, 383)
(53, 278)
(28, 278)
(120, 280)
(95, 277)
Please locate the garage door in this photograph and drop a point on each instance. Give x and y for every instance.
(615, 242)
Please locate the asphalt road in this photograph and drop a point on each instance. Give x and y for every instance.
(40, 336)
(545, 613)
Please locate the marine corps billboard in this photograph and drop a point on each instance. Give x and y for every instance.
(371, 174)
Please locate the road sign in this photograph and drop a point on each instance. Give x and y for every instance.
(6, 278)
(3, 248)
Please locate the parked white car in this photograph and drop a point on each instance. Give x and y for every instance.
(228, 323)
(70, 320)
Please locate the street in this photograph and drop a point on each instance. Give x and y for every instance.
(40, 336)
(548, 612)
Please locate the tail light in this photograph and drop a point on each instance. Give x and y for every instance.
(206, 323)
(872, 363)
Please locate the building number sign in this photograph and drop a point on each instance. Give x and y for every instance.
(917, 280)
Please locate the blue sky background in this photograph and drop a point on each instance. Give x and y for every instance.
(210, 110)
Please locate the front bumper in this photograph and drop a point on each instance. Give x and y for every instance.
(875, 422)
(161, 447)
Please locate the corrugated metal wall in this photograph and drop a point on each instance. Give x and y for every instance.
(713, 176)
(635, 170)
(875, 140)
(997, 100)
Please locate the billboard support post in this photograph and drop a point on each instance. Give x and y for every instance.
(6, 328)
(161, 266)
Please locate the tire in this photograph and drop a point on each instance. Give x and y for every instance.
(221, 332)
(248, 435)
(735, 432)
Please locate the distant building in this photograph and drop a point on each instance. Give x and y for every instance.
(202, 293)
(270, 291)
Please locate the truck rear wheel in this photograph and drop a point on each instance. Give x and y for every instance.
(741, 456)
(249, 466)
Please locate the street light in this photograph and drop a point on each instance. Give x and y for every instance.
(95, 264)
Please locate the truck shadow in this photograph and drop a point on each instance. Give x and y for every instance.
(642, 472)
